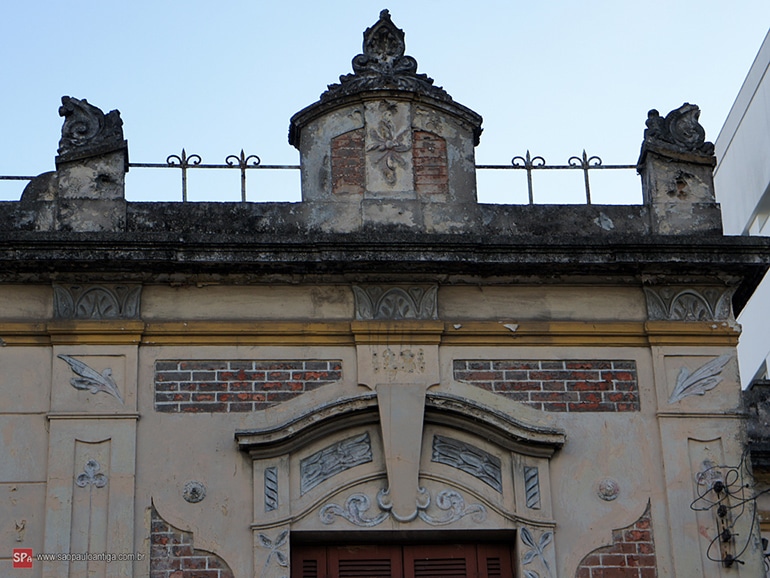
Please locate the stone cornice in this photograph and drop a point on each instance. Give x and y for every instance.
(423, 257)
(457, 333)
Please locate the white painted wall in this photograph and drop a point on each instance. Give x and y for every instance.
(742, 181)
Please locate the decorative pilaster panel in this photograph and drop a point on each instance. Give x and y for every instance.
(532, 487)
(272, 494)
(536, 553)
(90, 506)
(90, 494)
(389, 167)
(91, 459)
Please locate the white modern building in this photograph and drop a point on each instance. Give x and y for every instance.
(742, 182)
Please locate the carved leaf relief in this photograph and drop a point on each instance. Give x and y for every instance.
(388, 147)
(469, 459)
(96, 301)
(698, 382)
(395, 303)
(334, 459)
(90, 379)
(689, 303)
(537, 547)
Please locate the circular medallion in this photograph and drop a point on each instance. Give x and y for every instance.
(194, 492)
(608, 489)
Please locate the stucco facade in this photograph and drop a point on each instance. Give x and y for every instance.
(266, 390)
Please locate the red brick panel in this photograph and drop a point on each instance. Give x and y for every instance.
(569, 385)
(348, 163)
(631, 554)
(172, 554)
(222, 386)
(430, 163)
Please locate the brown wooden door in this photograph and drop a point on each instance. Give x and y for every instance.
(403, 561)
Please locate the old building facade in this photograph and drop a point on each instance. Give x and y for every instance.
(385, 379)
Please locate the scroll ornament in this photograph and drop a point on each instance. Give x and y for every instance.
(383, 65)
(450, 502)
(87, 131)
(679, 131)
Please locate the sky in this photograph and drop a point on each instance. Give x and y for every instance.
(553, 77)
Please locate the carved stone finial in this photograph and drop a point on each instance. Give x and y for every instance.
(87, 131)
(679, 132)
(384, 66)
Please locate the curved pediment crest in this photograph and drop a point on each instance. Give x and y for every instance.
(384, 65)
(441, 408)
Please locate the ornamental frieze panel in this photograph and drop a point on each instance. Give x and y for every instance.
(686, 303)
(106, 301)
(469, 459)
(334, 459)
(449, 507)
(377, 302)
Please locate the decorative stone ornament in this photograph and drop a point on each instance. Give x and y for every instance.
(96, 301)
(450, 503)
(383, 65)
(684, 303)
(469, 459)
(91, 476)
(608, 489)
(387, 146)
(532, 487)
(194, 492)
(90, 379)
(395, 303)
(87, 131)
(679, 132)
(676, 166)
(698, 382)
(333, 460)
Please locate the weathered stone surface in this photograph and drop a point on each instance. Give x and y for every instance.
(756, 401)
(383, 64)
(679, 133)
(676, 166)
(86, 193)
(88, 132)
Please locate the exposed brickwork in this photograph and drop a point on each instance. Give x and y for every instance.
(631, 555)
(430, 163)
(221, 386)
(348, 162)
(172, 554)
(589, 385)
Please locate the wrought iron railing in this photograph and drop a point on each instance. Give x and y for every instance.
(242, 162)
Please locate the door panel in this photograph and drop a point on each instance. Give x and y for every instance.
(403, 561)
(440, 561)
